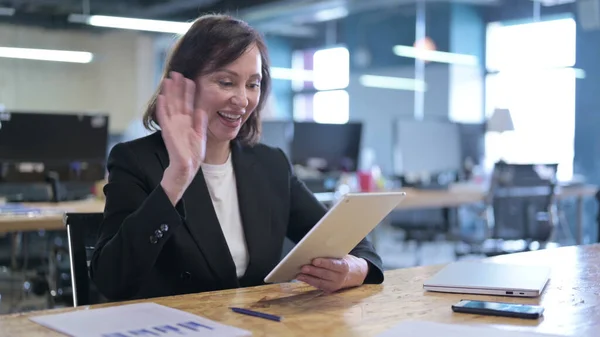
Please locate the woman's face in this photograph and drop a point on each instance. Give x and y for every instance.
(230, 95)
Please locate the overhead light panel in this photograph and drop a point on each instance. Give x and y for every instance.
(534, 71)
(279, 73)
(7, 11)
(331, 14)
(158, 26)
(549, 3)
(390, 82)
(46, 55)
(435, 56)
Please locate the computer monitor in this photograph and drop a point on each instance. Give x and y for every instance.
(336, 146)
(49, 137)
(74, 145)
(430, 147)
(278, 134)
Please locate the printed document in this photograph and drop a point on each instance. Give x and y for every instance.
(134, 320)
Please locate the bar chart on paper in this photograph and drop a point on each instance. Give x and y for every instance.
(143, 319)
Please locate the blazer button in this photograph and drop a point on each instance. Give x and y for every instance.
(186, 275)
(158, 233)
(164, 227)
(153, 239)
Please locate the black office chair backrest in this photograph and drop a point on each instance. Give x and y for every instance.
(82, 231)
(522, 202)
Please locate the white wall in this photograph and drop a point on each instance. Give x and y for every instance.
(119, 80)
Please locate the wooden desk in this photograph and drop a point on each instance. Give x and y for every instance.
(53, 220)
(572, 306)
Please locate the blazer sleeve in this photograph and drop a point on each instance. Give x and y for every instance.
(138, 220)
(306, 211)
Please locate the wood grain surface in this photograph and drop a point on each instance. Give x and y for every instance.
(571, 301)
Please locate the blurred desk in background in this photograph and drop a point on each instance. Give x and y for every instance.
(456, 197)
(426, 198)
(420, 199)
(28, 217)
(49, 216)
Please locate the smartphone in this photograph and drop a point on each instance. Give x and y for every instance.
(499, 309)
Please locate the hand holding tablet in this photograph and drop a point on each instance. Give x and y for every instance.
(334, 236)
(334, 274)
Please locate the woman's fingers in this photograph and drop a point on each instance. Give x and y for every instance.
(200, 121)
(161, 110)
(318, 283)
(337, 265)
(322, 273)
(177, 96)
(334, 274)
(189, 96)
(174, 93)
(165, 92)
(329, 276)
(178, 93)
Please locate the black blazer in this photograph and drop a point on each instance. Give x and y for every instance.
(148, 248)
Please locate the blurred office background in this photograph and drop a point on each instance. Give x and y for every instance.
(485, 110)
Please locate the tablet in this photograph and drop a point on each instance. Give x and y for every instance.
(338, 232)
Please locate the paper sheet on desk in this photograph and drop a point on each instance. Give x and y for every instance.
(20, 210)
(144, 319)
(431, 329)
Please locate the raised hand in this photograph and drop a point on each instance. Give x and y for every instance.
(183, 124)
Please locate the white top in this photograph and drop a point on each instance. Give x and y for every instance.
(221, 183)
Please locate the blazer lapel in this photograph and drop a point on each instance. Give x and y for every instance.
(255, 210)
(203, 225)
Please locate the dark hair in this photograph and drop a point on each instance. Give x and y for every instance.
(212, 42)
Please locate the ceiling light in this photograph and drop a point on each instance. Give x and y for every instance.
(291, 74)
(390, 82)
(331, 14)
(158, 26)
(541, 71)
(6, 11)
(554, 2)
(46, 55)
(436, 56)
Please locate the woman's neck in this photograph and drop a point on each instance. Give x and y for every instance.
(216, 152)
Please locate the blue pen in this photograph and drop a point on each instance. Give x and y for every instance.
(257, 314)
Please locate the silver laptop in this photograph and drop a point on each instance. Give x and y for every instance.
(487, 278)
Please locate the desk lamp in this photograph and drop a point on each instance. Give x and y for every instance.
(500, 122)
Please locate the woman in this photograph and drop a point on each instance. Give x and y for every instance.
(199, 205)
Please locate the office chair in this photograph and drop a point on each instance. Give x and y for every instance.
(82, 229)
(519, 206)
(421, 227)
